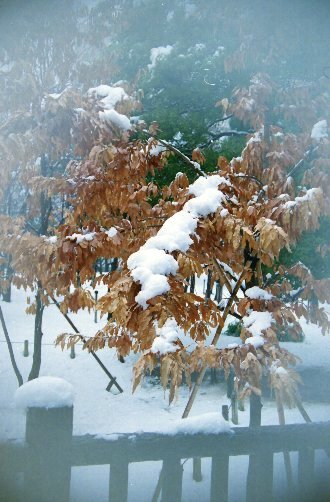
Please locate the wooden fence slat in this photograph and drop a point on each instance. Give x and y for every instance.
(219, 478)
(172, 480)
(8, 486)
(48, 471)
(259, 483)
(118, 485)
(305, 472)
(90, 450)
(13, 459)
(197, 469)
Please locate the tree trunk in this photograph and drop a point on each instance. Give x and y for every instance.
(218, 292)
(35, 369)
(208, 291)
(6, 293)
(11, 352)
(6, 289)
(192, 283)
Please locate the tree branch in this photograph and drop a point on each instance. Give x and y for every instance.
(175, 150)
(11, 352)
(254, 178)
(215, 340)
(307, 157)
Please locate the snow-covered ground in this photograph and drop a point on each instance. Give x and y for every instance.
(97, 411)
(100, 412)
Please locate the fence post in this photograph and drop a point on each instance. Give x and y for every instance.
(219, 477)
(255, 410)
(48, 473)
(26, 348)
(172, 480)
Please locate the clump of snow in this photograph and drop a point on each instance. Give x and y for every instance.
(44, 392)
(156, 149)
(184, 224)
(170, 16)
(303, 198)
(256, 341)
(158, 53)
(117, 119)
(208, 423)
(52, 239)
(256, 293)
(110, 95)
(281, 371)
(111, 232)
(206, 203)
(256, 322)
(150, 267)
(55, 95)
(166, 337)
(155, 260)
(151, 264)
(78, 238)
(202, 184)
(320, 130)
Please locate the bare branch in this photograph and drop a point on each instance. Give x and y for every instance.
(175, 150)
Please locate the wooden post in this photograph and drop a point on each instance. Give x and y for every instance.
(214, 378)
(232, 395)
(48, 472)
(197, 469)
(254, 460)
(72, 352)
(26, 348)
(172, 480)
(219, 478)
(225, 412)
(259, 485)
(255, 410)
(9, 490)
(286, 454)
(234, 408)
(306, 473)
(118, 487)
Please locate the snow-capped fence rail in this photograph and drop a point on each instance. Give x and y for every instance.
(50, 450)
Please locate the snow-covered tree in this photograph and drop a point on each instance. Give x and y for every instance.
(233, 222)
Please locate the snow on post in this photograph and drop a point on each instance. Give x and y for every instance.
(45, 392)
(48, 433)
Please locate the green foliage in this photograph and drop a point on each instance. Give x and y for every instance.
(308, 250)
(234, 329)
(285, 334)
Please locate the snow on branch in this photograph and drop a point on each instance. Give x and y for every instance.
(152, 262)
(320, 131)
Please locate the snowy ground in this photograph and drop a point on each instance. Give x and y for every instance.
(97, 411)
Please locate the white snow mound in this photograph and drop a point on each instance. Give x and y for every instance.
(208, 423)
(320, 130)
(44, 392)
